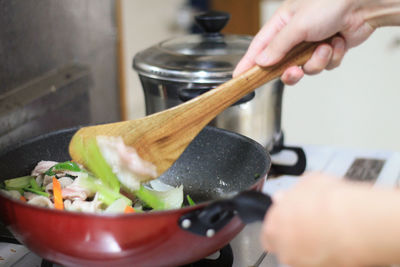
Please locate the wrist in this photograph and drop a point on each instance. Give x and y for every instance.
(371, 232)
(349, 213)
(379, 13)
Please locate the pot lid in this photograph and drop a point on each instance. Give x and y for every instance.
(210, 57)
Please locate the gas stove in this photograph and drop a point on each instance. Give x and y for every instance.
(379, 167)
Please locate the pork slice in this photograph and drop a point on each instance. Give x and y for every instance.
(41, 201)
(42, 167)
(85, 206)
(29, 195)
(70, 193)
(125, 162)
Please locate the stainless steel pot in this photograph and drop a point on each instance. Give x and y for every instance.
(179, 69)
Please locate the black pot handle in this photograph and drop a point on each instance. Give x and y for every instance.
(187, 94)
(296, 169)
(250, 206)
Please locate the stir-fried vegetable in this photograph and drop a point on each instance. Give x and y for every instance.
(37, 192)
(63, 166)
(106, 195)
(129, 209)
(18, 183)
(98, 165)
(190, 200)
(151, 199)
(58, 200)
(24, 183)
(95, 162)
(34, 184)
(102, 187)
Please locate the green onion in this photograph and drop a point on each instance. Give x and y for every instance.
(34, 185)
(19, 182)
(37, 192)
(63, 166)
(190, 200)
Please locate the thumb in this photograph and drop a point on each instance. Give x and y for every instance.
(283, 42)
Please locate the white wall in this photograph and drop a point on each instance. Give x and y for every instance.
(356, 105)
(145, 23)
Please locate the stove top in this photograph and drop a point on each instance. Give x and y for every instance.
(380, 167)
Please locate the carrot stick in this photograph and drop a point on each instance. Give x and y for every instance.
(58, 200)
(129, 209)
(22, 198)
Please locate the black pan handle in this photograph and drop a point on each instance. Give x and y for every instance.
(250, 206)
(296, 169)
(187, 94)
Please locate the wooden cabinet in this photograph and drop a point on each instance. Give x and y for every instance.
(245, 15)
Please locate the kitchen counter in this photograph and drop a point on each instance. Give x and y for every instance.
(329, 159)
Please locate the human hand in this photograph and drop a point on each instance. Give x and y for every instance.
(309, 20)
(313, 223)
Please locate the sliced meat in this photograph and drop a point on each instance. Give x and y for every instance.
(41, 201)
(42, 167)
(125, 162)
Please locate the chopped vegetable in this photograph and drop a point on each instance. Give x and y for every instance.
(160, 200)
(150, 198)
(118, 206)
(37, 192)
(98, 188)
(190, 200)
(95, 162)
(19, 182)
(129, 209)
(63, 166)
(34, 185)
(58, 200)
(106, 195)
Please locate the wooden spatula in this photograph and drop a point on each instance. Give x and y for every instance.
(162, 137)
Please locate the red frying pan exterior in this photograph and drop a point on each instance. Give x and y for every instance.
(146, 239)
(139, 239)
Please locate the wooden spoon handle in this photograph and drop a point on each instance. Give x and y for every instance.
(223, 96)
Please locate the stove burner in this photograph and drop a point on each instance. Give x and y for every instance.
(46, 263)
(225, 259)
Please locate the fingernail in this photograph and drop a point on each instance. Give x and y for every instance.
(324, 52)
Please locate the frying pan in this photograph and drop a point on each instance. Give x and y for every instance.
(217, 170)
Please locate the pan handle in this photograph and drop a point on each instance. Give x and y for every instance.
(296, 169)
(250, 206)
